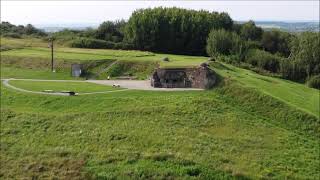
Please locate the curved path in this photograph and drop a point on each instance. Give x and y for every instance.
(128, 84)
(6, 83)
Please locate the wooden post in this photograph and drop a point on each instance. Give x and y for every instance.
(52, 55)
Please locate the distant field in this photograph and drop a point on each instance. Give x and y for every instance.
(295, 94)
(79, 87)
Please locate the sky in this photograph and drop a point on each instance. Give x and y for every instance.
(95, 12)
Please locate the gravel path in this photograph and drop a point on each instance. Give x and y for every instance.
(139, 85)
(128, 84)
(6, 83)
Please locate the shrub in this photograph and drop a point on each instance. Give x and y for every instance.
(12, 35)
(263, 60)
(123, 46)
(231, 59)
(92, 43)
(165, 59)
(314, 82)
(99, 44)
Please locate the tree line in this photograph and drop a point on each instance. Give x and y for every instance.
(10, 30)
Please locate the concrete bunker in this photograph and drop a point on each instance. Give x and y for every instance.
(199, 77)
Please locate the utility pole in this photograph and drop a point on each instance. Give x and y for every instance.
(51, 46)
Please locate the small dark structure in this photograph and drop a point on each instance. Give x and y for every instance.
(200, 77)
(76, 70)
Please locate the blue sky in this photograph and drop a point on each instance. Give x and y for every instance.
(94, 12)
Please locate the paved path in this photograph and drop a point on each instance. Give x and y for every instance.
(6, 83)
(128, 84)
(139, 85)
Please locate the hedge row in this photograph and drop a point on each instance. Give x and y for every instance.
(99, 44)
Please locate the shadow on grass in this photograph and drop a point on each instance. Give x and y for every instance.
(158, 166)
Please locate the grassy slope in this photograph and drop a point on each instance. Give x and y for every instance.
(13, 72)
(90, 54)
(295, 94)
(152, 134)
(28, 51)
(13, 43)
(79, 87)
(298, 95)
(232, 131)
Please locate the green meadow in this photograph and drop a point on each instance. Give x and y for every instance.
(249, 126)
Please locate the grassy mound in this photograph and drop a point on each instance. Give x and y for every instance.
(227, 133)
(39, 68)
(294, 94)
(140, 70)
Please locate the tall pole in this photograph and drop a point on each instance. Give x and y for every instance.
(52, 54)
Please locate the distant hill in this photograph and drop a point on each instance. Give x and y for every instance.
(59, 27)
(290, 26)
(283, 25)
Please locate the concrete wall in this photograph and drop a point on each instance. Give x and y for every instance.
(200, 77)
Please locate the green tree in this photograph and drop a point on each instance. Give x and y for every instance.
(249, 31)
(276, 41)
(111, 31)
(306, 51)
(222, 42)
(174, 30)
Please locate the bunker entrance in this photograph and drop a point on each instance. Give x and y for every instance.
(199, 77)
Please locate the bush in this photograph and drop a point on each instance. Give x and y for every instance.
(99, 44)
(12, 35)
(314, 82)
(123, 46)
(263, 60)
(92, 43)
(231, 59)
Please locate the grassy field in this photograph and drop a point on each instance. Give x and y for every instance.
(141, 134)
(35, 48)
(295, 94)
(13, 72)
(14, 43)
(79, 87)
(248, 127)
(90, 54)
